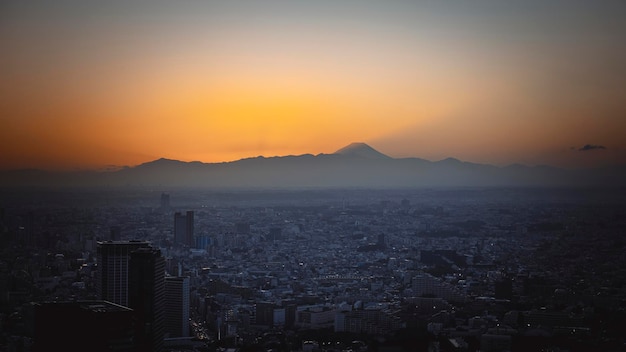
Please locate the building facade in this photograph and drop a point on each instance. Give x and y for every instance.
(113, 267)
(183, 228)
(147, 297)
(176, 306)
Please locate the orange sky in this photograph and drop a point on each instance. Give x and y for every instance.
(89, 86)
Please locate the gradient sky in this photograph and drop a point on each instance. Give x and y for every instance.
(94, 84)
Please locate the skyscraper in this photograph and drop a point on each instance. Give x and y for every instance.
(147, 297)
(382, 241)
(113, 267)
(176, 306)
(165, 201)
(183, 228)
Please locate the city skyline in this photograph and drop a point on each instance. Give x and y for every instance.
(90, 86)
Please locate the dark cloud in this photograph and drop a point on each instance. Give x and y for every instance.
(588, 147)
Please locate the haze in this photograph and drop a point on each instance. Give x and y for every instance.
(89, 85)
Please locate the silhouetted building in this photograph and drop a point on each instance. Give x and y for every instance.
(265, 313)
(176, 306)
(165, 201)
(112, 275)
(183, 228)
(367, 321)
(290, 313)
(147, 297)
(315, 317)
(83, 326)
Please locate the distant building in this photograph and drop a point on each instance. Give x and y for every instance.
(176, 306)
(315, 317)
(265, 313)
(147, 297)
(382, 241)
(367, 321)
(183, 228)
(202, 241)
(290, 312)
(165, 201)
(428, 285)
(113, 267)
(83, 326)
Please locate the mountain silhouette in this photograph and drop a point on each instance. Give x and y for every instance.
(361, 150)
(355, 166)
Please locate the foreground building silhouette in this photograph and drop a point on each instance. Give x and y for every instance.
(130, 315)
(113, 269)
(83, 326)
(146, 297)
(132, 274)
(176, 307)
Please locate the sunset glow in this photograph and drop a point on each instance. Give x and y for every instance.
(112, 85)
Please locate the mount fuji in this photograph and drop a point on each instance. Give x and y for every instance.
(357, 165)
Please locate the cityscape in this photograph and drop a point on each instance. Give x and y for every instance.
(451, 269)
(313, 176)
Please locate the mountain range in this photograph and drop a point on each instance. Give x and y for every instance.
(355, 166)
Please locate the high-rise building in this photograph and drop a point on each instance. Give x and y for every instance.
(113, 266)
(176, 306)
(147, 297)
(183, 228)
(382, 241)
(165, 201)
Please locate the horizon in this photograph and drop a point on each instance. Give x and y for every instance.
(93, 86)
(114, 168)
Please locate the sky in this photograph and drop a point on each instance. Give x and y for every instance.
(97, 85)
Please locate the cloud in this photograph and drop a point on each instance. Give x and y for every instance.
(588, 147)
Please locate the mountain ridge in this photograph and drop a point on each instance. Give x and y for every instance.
(356, 165)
